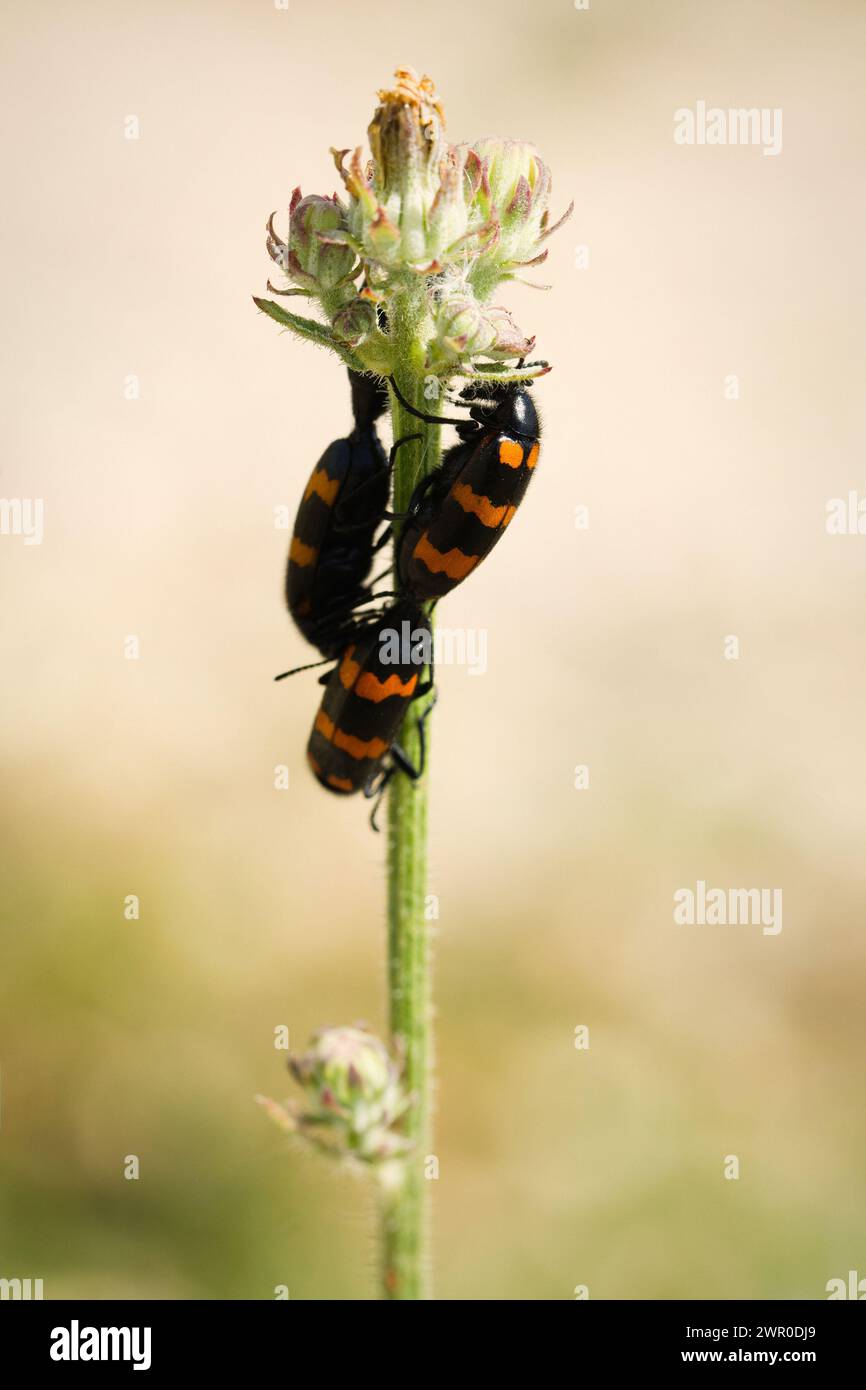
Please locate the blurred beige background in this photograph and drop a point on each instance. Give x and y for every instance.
(258, 908)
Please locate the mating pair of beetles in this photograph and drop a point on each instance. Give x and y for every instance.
(456, 515)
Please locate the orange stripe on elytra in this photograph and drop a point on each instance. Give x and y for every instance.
(359, 747)
(349, 669)
(323, 486)
(324, 725)
(533, 456)
(340, 784)
(369, 687)
(510, 453)
(348, 743)
(301, 554)
(479, 506)
(453, 562)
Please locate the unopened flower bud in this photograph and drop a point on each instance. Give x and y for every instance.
(316, 257)
(461, 327)
(465, 329)
(354, 322)
(511, 200)
(346, 1069)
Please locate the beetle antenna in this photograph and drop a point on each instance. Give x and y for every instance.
(430, 419)
(296, 669)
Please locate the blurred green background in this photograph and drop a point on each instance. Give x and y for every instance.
(261, 908)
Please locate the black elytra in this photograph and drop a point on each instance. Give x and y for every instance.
(333, 541)
(459, 512)
(352, 746)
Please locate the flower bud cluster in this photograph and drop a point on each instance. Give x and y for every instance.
(451, 222)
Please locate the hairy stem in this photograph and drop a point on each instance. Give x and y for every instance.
(405, 1219)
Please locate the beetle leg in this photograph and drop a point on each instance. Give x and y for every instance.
(377, 789)
(345, 530)
(401, 760)
(417, 498)
(383, 540)
(398, 444)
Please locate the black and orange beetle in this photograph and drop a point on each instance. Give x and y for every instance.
(333, 543)
(458, 513)
(352, 746)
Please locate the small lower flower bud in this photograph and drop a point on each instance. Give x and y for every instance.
(355, 322)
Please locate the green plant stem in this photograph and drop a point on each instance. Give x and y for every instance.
(405, 1216)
